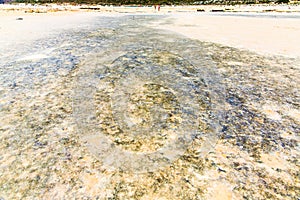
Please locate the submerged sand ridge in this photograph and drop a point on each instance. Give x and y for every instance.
(19, 34)
(43, 153)
(269, 34)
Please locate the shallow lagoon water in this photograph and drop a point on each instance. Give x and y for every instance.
(77, 108)
(143, 132)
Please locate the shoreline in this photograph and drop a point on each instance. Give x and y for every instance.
(271, 33)
(52, 8)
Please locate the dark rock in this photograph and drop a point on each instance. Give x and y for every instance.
(217, 10)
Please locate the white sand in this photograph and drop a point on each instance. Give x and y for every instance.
(36, 26)
(275, 36)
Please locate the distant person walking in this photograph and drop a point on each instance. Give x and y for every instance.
(156, 7)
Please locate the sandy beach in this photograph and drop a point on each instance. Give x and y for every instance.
(216, 93)
(248, 27)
